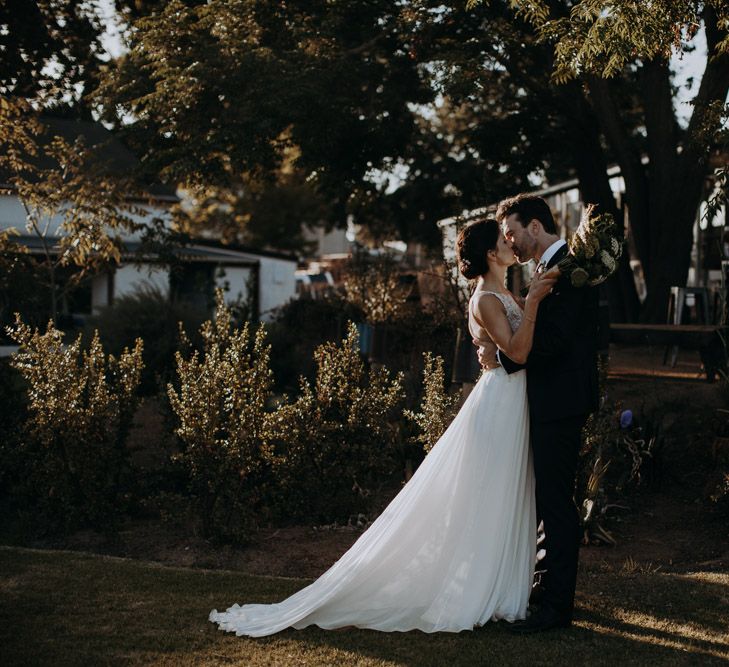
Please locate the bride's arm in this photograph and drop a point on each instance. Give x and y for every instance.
(491, 315)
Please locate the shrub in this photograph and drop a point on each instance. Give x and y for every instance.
(437, 408)
(300, 327)
(220, 407)
(19, 278)
(717, 485)
(148, 314)
(337, 438)
(618, 447)
(13, 398)
(80, 409)
(372, 285)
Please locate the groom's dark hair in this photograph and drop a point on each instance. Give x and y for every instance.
(527, 208)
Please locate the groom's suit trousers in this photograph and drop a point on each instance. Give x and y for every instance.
(555, 449)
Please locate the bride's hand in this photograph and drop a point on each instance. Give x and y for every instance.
(541, 285)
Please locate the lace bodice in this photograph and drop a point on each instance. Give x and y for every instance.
(513, 315)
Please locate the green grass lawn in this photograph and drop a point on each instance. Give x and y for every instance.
(62, 608)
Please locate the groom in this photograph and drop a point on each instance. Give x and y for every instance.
(562, 386)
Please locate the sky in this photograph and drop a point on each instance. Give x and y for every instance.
(687, 66)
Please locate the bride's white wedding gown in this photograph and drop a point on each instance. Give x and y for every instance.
(456, 546)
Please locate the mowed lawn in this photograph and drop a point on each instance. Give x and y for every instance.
(64, 608)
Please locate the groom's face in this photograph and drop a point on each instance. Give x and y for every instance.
(519, 238)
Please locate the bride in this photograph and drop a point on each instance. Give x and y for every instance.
(456, 547)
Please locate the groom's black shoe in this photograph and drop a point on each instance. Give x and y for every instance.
(546, 618)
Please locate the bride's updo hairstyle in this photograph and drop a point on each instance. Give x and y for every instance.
(474, 241)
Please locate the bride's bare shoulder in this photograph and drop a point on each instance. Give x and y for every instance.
(487, 300)
(488, 306)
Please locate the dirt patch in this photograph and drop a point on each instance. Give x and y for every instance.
(299, 551)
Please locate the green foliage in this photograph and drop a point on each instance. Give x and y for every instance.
(603, 36)
(337, 438)
(301, 326)
(276, 110)
(72, 205)
(19, 277)
(613, 458)
(715, 130)
(437, 408)
(245, 79)
(80, 408)
(151, 315)
(259, 213)
(372, 286)
(52, 51)
(13, 398)
(220, 401)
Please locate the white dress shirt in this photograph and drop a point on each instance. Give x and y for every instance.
(550, 252)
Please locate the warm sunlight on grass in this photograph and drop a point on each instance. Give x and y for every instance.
(59, 608)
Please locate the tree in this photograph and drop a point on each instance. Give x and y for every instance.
(269, 214)
(403, 113)
(392, 123)
(73, 204)
(221, 92)
(51, 50)
(497, 72)
(616, 54)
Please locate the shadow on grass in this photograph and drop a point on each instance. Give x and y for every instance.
(73, 609)
(607, 629)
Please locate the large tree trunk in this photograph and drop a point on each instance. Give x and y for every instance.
(663, 195)
(677, 178)
(591, 165)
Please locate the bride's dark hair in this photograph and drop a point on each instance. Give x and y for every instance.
(474, 241)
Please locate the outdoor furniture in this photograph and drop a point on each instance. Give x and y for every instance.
(676, 310)
(708, 339)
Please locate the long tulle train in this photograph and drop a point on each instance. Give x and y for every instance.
(454, 549)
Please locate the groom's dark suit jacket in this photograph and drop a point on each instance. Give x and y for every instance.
(562, 379)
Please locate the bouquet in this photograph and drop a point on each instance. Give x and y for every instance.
(594, 250)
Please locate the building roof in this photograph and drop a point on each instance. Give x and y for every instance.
(557, 188)
(195, 251)
(114, 155)
(234, 247)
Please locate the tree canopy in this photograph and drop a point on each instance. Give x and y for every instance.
(403, 113)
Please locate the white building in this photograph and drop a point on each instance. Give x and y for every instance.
(266, 279)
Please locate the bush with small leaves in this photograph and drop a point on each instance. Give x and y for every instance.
(13, 398)
(373, 286)
(336, 440)
(220, 401)
(619, 449)
(148, 313)
(299, 327)
(438, 408)
(80, 408)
